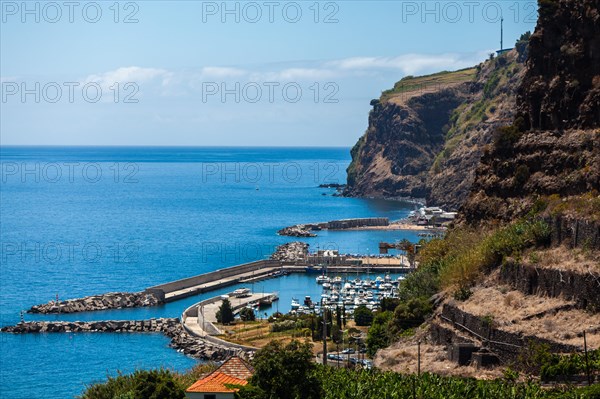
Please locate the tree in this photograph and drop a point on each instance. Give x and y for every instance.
(338, 316)
(409, 314)
(225, 313)
(247, 314)
(389, 304)
(363, 316)
(283, 372)
(379, 334)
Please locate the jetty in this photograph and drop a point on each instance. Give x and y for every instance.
(264, 269)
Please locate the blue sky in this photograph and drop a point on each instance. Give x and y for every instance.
(227, 73)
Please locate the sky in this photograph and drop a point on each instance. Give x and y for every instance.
(236, 73)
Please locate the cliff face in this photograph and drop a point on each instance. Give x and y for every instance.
(561, 89)
(554, 145)
(426, 136)
(400, 145)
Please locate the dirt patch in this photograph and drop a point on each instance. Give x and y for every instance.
(562, 258)
(402, 357)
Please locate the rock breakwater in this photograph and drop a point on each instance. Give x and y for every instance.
(111, 300)
(290, 252)
(299, 230)
(181, 340)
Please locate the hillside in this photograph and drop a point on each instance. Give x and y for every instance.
(515, 281)
(553, 147)
(426, 135)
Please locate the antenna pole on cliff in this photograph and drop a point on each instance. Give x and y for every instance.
(501, 33)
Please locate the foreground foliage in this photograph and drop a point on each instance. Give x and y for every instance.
(347, 384)
(288, 372)
(147, 384)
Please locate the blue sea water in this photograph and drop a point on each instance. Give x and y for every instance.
(78, 221)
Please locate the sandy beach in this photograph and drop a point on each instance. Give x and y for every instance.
(396, 226)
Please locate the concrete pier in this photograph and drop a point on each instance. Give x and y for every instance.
(264, 269)
(214, 280)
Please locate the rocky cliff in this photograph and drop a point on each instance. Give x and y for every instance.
(553, 147)
(426, 135)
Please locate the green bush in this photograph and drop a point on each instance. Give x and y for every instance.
(506, 137)
(283, 326)
(247, 314)
(363, 316)
(521, 176)
(378, 336)
(409, 314)
(142, 384)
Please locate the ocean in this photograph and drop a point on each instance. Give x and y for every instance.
(78, 221)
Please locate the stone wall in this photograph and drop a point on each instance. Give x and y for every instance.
(506, 345)
(574, 232)
(584, 289)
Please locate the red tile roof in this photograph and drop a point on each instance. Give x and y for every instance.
(236, 367)
(215, 383)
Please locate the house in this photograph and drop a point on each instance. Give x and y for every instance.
(218, 384)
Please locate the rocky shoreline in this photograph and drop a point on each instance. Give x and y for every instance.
(171, 327)
(111, 300)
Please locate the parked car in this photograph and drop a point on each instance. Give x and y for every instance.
(348, 351)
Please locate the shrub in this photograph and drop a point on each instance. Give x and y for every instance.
(283, 326)
(142, 384)
(409, 314)
(379, 335)
(363, 316)
(522, 46)
(505, 137)
(247, 314)
(521, 176)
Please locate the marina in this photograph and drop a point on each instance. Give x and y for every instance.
(348, 293)
(265, 269)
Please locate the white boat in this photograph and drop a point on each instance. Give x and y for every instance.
(295, 304)
(326, 286)
(241, 293)
(322, 279)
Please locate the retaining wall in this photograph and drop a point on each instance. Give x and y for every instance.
(584, 289)
(574, 232)
(507, 345)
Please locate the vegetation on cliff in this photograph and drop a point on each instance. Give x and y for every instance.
(426, 135)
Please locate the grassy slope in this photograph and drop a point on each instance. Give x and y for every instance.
(417, 84)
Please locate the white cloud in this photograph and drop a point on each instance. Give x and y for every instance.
(407, 63)
(222, 72)
(132, 74)
(186, 82)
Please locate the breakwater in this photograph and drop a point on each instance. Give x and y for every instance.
(289, 258)
(217, 279)
(306, 229)
(181, 340)
(111, 300)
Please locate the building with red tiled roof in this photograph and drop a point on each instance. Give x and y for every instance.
(218, 384)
